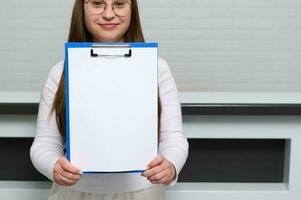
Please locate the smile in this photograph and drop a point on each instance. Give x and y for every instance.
(109, 26)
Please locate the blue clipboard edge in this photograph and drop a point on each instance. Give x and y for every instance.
(132, 44)
(83, 45)
(115, 172)
(67, 105)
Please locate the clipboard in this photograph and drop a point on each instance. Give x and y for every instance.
(111, 106)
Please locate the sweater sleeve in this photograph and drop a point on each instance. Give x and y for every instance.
(48, 145)
(173, 143)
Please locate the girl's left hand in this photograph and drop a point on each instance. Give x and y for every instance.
(160, 171)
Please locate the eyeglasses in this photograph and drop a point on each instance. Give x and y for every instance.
(120, 7)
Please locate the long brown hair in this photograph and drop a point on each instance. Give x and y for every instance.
(79, 33)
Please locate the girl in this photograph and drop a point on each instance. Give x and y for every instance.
(107, 21)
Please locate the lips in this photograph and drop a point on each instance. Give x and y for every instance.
(109, 26)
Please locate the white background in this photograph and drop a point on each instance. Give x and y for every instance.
(211, 45)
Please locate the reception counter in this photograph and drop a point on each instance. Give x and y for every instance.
(254, 138)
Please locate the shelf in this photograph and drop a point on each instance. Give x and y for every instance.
(284, 127)
(188, 97)
(21, 103)
(278, 127)
(18, 185)
(233, 191)
(188, 191)
(229, 187)
(45, 185)
(193, 103)
(240, 103)
(217, 98)
(30, 97)
(18, 111)
(18, 125)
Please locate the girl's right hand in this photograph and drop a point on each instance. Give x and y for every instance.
(65, 173)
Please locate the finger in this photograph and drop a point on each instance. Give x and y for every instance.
(155, 170)
(158, 176)
(164, 180)
(156, 161)
(65, 178)
(66, 181)
(155, 182)
(70, 176)
(67, 166)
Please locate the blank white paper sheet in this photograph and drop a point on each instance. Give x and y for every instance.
(111, 106)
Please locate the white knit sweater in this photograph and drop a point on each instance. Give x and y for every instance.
(48, 145)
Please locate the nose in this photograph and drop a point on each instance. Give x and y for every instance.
(108, 13)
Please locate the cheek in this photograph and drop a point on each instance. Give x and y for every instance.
(89, 21)
(127, 22)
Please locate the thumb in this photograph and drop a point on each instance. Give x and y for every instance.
(67, 166)
(156, 161)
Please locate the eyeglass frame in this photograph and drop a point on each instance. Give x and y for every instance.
(112, 7)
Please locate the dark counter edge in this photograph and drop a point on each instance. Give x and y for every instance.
(19, 108)
(187, 109)
(240, 109)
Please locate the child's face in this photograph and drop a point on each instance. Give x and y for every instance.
(107, 26)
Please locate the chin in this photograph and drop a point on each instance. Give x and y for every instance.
(110, 39)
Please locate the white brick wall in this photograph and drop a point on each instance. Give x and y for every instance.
(211, 45)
